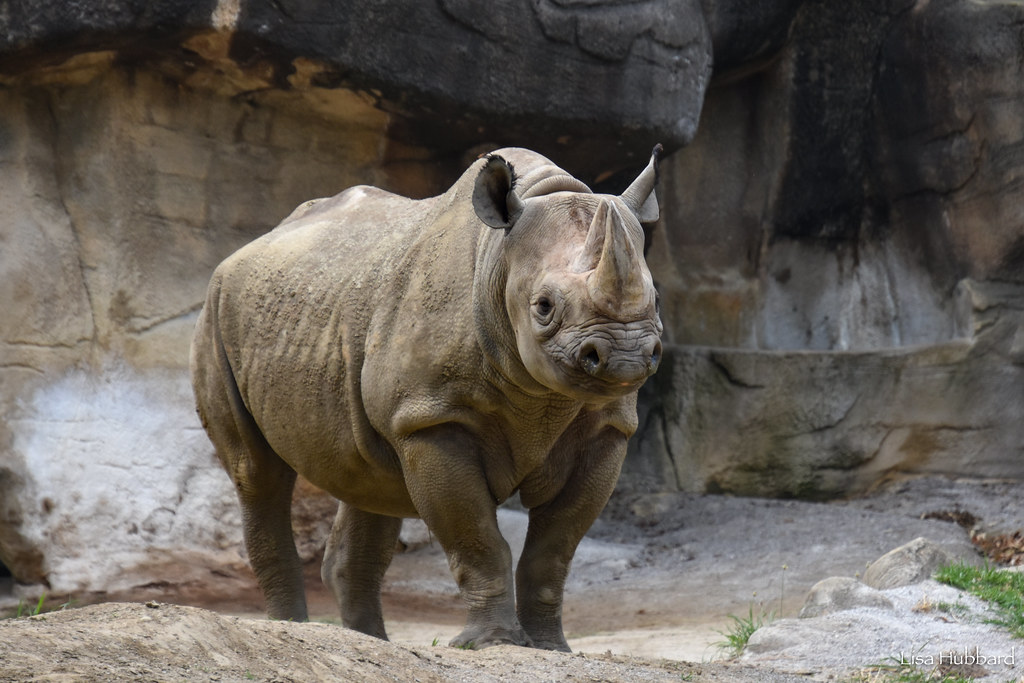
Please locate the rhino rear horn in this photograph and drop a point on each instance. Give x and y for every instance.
(639, 196)
(494, 197)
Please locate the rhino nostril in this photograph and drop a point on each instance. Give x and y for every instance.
(590, 359)
(655, 358)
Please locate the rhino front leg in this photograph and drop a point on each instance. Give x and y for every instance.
(445, 478)
(554, 532)
(358, 553)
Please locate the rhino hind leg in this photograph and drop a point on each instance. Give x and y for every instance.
(263, 481)
(264, 484)
(359, 550)
(267, 527)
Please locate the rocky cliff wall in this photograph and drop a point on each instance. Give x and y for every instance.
(840, 252)
(142, 143)
(836, 197)
(120, 190)
(845, 236)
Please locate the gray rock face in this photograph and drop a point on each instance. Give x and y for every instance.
(816, 424)
(569, 79)
(120, 194)
(497, 64)
(746, 34)
(841, 261)
(835, 198)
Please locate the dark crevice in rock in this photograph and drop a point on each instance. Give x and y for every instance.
(146, 325)
(62, 181)
(21, 366)
(836, 422)
(726, 372)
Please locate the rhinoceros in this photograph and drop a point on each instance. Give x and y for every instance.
(430, 358)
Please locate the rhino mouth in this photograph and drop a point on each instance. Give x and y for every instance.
(619, 369)
(597, 366)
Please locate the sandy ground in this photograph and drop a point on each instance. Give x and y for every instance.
(659, 575)
(651, 589)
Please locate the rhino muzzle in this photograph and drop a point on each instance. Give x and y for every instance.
(599, 358)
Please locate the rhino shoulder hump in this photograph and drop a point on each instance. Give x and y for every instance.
(343, 201)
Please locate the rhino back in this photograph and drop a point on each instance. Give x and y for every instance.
(293, 313)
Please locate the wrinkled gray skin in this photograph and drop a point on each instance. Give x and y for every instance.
(429, 359)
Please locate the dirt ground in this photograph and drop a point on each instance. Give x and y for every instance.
(650, 592)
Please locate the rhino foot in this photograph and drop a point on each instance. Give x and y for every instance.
(557, 645)
(475, 638)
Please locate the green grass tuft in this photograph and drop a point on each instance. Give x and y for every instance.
(34, 612)
(1003, 589)
(737, 635)
(26, 610)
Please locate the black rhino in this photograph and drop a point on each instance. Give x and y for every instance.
(430, 358)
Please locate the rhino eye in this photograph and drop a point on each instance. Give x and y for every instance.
(545, 309)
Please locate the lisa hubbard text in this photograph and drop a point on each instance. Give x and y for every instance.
(960, 658)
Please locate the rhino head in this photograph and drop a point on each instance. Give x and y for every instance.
(578, 294)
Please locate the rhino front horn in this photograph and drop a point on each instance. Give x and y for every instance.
(639, 196)
(617, 282)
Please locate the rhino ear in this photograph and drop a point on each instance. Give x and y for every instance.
(649, 212)
(494, 197)
(640, 196)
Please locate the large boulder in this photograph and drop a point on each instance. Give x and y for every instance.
(570, 79)
(824, 423)
(838, 593)
(911, 563)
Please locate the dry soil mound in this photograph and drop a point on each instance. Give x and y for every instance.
(132, 641)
